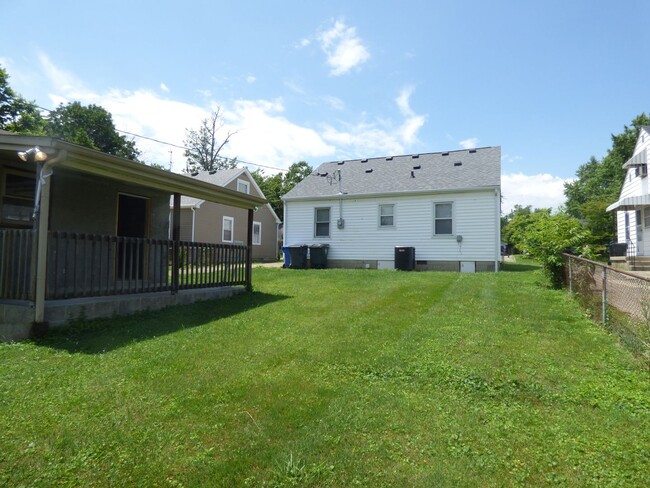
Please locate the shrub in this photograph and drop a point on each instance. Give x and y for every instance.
(551, 235)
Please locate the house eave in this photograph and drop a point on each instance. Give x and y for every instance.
(100, 164)
(394, 194)
(97, 163)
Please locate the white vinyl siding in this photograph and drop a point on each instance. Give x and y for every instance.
(475, 217)
(257, 233)
(227, 229)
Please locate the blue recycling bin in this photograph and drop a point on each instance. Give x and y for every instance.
(287, 257)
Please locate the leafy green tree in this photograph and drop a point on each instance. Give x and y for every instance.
(295, 174)
(90, 126)
(16, 113)
(598, 183)
(518, 221)
(549, 236)
(271, 186)
(204, 145)
(276, 185)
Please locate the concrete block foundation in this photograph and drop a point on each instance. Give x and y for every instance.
(16, 317)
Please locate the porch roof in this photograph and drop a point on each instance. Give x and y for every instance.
(630, 203)
(94, 162)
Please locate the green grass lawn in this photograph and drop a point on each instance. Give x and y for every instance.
(333, 378)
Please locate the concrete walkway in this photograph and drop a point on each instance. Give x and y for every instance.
(275, 264)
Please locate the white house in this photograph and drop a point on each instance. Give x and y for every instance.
(445, 205)
(633, 205)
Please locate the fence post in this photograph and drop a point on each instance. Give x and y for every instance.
(570, 275)
(604, 295)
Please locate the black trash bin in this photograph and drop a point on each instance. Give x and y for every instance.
(617, 249)
(318, 255)
(298, 254)
(404, 258)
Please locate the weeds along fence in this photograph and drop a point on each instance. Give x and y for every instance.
(619, 300)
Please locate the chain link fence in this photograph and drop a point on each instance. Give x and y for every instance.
(619, 300)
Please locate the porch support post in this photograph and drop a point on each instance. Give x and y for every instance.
(43, 217)
(249, 251)
(176, 237)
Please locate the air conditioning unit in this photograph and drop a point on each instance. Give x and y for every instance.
(643, 170)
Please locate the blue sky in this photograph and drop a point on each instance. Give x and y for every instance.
(547, 81)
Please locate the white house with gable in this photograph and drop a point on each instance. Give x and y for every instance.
(633, 206)
(445, 207)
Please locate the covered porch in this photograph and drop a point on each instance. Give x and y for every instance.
(55, 266)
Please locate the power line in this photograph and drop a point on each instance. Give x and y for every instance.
(180, 147)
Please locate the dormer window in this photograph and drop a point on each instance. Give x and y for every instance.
(243, 186)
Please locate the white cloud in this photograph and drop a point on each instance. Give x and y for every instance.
(470, 143)
(334, 102)
(294, 87)
(251, 79)
(364, 139)
(164, 88)
(268, 138)
(412, 122)
(343, 48)
(265, 134)
(65, 82)
(540, 190)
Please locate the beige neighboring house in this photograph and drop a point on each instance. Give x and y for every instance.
(208, 222)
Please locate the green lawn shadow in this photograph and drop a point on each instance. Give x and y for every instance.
(103, 335)
(511, 267)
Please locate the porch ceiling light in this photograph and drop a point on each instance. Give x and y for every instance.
(33, 154)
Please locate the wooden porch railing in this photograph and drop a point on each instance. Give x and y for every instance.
(86, 265)
(16, 257)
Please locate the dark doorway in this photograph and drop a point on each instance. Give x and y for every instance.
(132, 226)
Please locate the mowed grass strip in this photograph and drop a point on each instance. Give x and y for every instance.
(333, 378)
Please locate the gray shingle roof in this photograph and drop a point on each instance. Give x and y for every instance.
(220, 178)
(416, 173)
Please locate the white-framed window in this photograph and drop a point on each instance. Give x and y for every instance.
(639, 226)
(646, 217)
(322, 222)
(443, 218)
(243, 186)
(257, 233)
(386, 215)
(227, 229)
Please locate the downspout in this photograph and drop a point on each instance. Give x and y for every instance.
(497, 260)
(42, 213)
